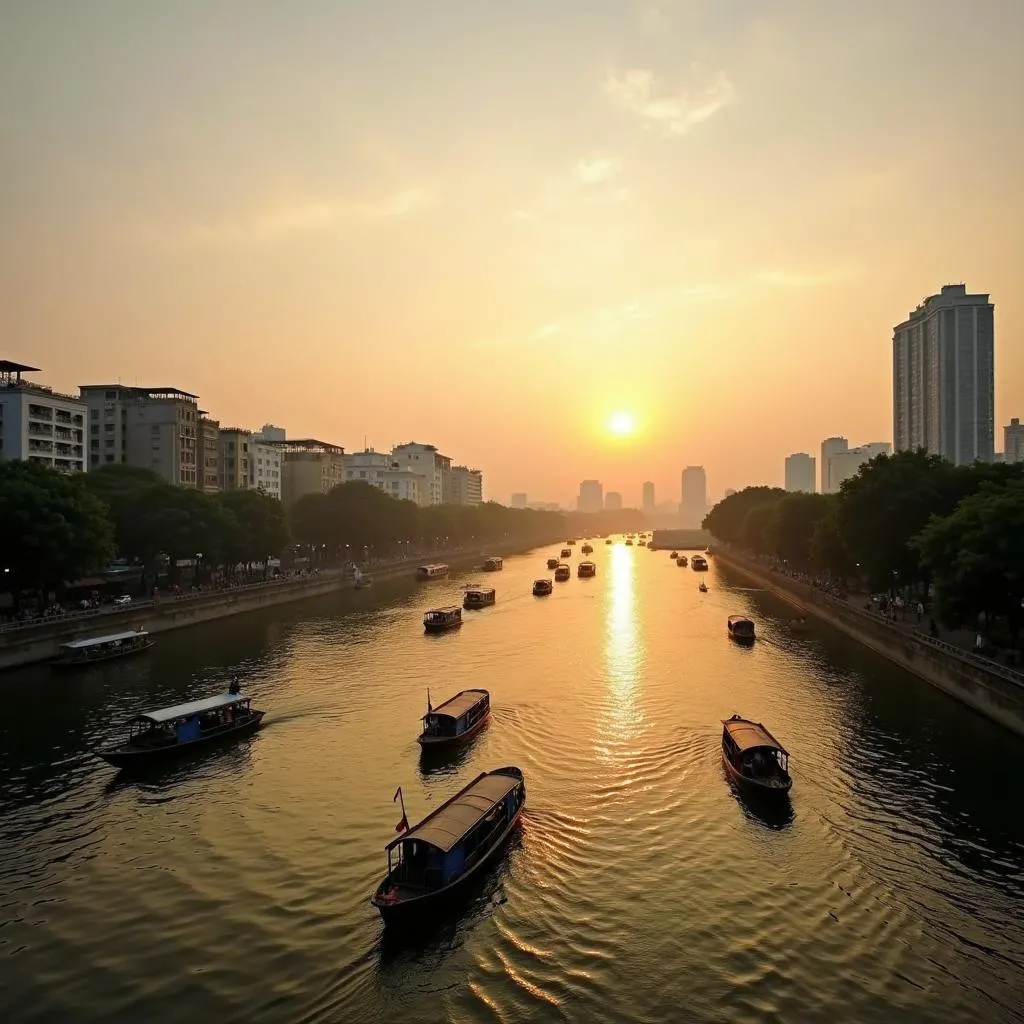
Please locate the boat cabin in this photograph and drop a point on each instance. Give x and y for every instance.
(478, 597)
(434, 571)
(585, 570)
(541, 588)
(566, 553)
(753, 755)
(552, 563)
(440, 620)
(699, 563)
(493, 564)
(587, 549)
(562, 573)
(455, 719)
(740, 628)
(103, 648)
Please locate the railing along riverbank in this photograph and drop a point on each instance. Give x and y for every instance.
(994, 690)
(34, 640)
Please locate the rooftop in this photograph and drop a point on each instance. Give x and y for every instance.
(194, 707)
(306, 444)
(749, 735)
(161, 393)
(458, 705)
(10, 380)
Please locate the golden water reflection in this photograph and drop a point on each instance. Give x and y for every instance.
(623, 650)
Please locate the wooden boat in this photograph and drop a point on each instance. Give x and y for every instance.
(674, 555)
(682, 561)
(587, 549)
(552, 563)
(566, 553)
(429, 863)
(609, 541)
(629, 542)
(741, 629)
(703, 588)
(171, 731)
(570, 543)
(586, 570)
(493, 564)
(79, 653)
(754, 757)
(456, 719)
(434, 571)
(542, 588)
(562, 573)
(478, 597)
(699, 563)
(440, 620)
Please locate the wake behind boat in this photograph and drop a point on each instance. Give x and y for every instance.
(429, 863)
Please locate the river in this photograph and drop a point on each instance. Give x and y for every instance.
(640, 888)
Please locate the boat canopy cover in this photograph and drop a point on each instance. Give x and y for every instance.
(457, 706)
(482, 591)
(750, 735)
(447, 825)
(195, 707)
(452, 609)
(93, 641)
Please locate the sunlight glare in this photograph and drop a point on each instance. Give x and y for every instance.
(622, 424)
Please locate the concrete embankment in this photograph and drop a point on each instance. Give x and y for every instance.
(991, 689)
(34, 642)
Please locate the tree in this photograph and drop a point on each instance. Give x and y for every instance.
(757, 528)
(52, 529)
(727, 520)
(827, 549)
(260, 526)
(976, 556)
(793, 524)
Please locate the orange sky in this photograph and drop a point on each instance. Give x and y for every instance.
(491, 225)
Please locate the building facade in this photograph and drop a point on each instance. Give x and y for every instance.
(1013, 441)
(829, 447)
(467, 486)
(693, 506)
(38, 424)
(234, 458)
(847, 464)
(613, 501)
(518, 500)
(265, 467)
(208, 447)
(648, 496)
(591, 496)
(429, 463)
(800, 472)
(379, 470)
(308, 466)
(943, 377)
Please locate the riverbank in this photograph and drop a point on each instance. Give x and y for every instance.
(25, 644)
(989, 688)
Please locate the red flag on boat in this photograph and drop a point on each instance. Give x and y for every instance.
(403, 824)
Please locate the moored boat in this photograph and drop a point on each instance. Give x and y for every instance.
(493, 564)
(699, 563)
(562, 573)
(587, 549)
(541, 588)
(586, 570)
(456, 719)
(79, 653)
(754, 757)
(434, 571)
(478, 597)
(741, 629)
(552, 563)
(441, 620)
(429, 862)
(682, 561)
(165, 733)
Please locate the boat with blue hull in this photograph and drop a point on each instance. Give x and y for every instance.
(169, 732)
(456, 719)
(430, 863)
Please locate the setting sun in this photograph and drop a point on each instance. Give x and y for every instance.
(622, 424)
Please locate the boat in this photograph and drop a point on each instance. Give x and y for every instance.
(741, 629)
(440, 620)
(703, 588)
(430, 862)
(493, 564)
(552, 563)
(585, 570)
(609, 541)
(566, 553)
(456, 719)
(674, 555)
(754, 757)
(478, 597)
(76, 653)
(682, 560)
(432, 572)
(171, 731)
(629, 542)
(562, 573)
(587, 549)
(699, 563)
(541, 588)
(570, 543)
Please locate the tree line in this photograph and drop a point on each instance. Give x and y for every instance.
(908, 520)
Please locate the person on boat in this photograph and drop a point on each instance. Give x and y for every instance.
(235, 688)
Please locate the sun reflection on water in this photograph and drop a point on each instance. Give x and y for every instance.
(623, 717)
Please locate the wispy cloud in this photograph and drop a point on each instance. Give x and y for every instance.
(636, 92)
(589, 183)
(596, 169)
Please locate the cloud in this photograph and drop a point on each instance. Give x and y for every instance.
(635, 91)
(596, 169)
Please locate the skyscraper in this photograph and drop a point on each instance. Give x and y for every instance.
(800, 472)
(943, 378)
(1013, 441)
(694, 504)
(613, 501)
(648, 501)
(829, 447)
(591, 497)
(847, 463)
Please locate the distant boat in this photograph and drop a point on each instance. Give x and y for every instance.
(562, 573)
(435, 571)
(542, 588)
(699, 564)
(566, 553)
(441, 620)
(456, 719)
(586, 570)
(741, 629)
(754, 757)
(703, 588)
(552, 563)
(493, 564)
(587, 549)
(478, 597)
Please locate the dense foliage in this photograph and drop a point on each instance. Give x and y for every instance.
(909, 519)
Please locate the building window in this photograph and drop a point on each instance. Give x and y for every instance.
(94, 414)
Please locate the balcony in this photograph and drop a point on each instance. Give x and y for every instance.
(63, 416)
(40, 430)
(40, 412)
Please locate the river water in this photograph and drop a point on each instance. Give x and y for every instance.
(640, 888)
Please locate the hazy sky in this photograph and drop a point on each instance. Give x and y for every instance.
(490, 225)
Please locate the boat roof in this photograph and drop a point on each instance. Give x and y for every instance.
(737, 618)
(194, 707)
(447, 610)
(77, 645)
(493, 558)
(748, 735)
(451, 821)
(588, 563)
(457, 706)
(480, 590)
(433, 565)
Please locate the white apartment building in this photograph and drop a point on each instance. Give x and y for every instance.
(846, 464)
(154, 428)
(829, 447)
(380, 470)
(800, 472)
(265, 467)
(427, 461)
(943, 377)
(1013, 441)
(268, 432)
(38, 424)
(234, 458)
(467, 486)
(208, 453)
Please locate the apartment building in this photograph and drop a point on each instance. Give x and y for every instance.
(38, 424)
(265, 467)
(308, 466)
(233, 455)
(427, 461)
(208, 445)
(467, 486)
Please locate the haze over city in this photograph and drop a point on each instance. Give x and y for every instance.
(560, 241)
